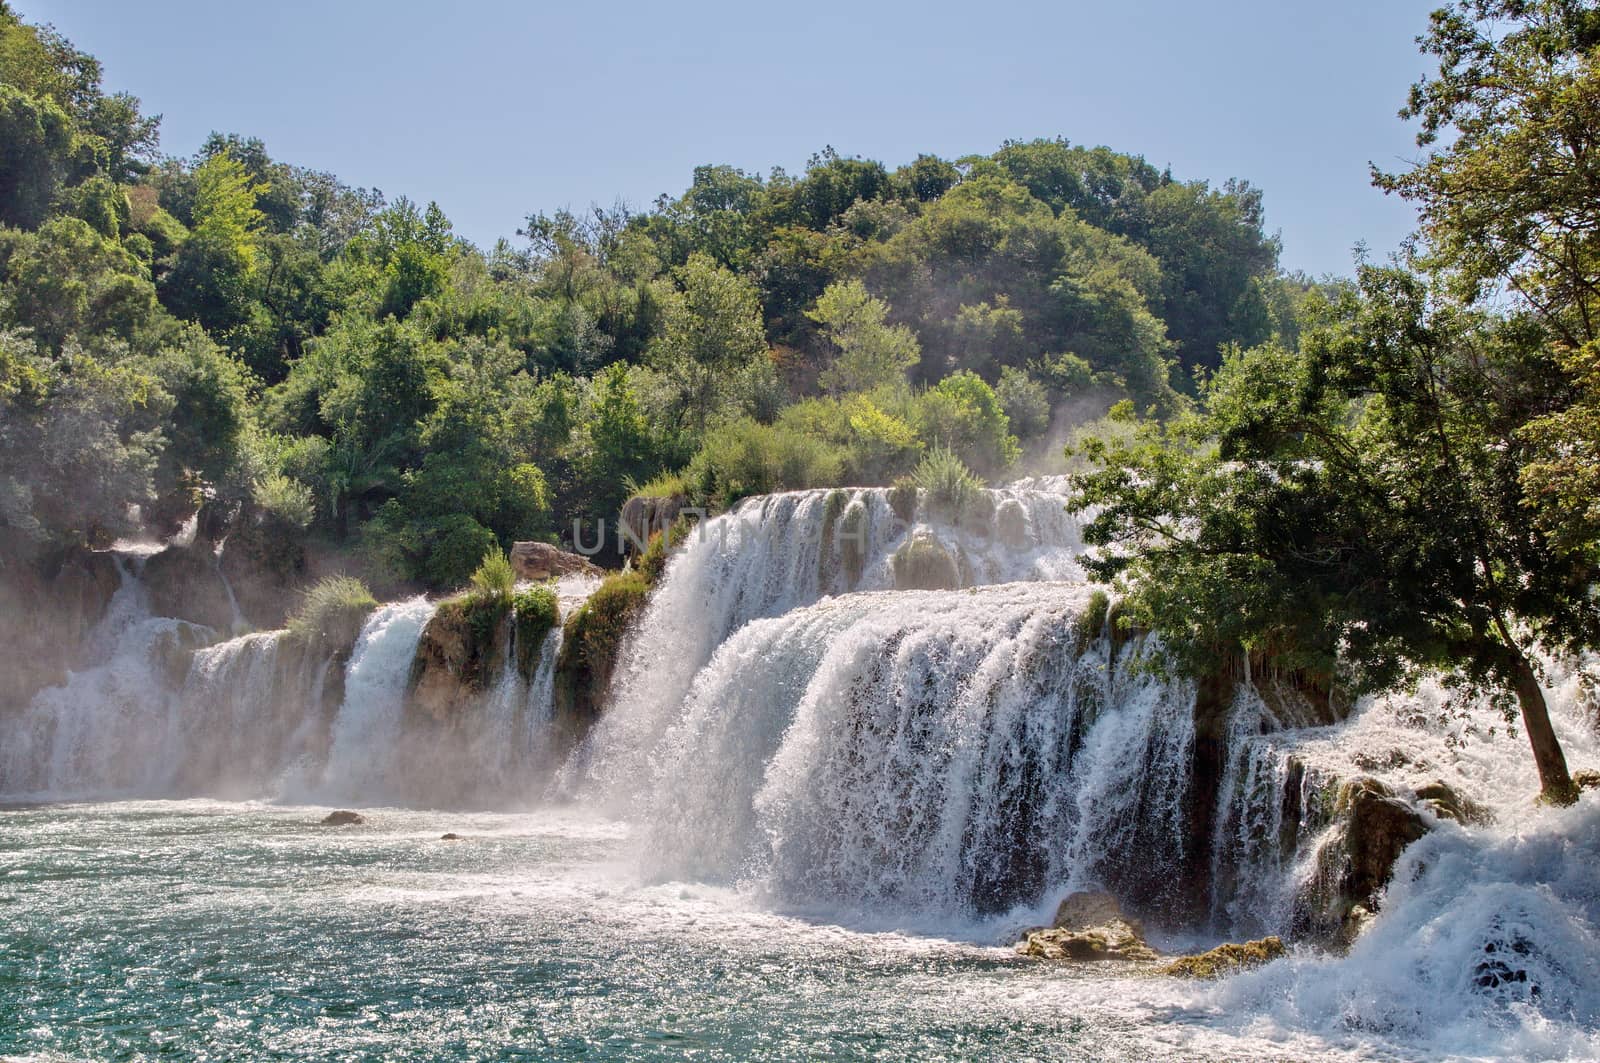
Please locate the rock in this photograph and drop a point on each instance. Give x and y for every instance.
(1586, 779)
(185, 583)
(264, 560)
(452, 837)
(343, 818)
(1354, 865)
(1011, 523)
(173, 650)
(923, 564)
(1446, 803)
(457, 654)
(1227, 959)
(643, 516)
(1088, 926)
(541, 561)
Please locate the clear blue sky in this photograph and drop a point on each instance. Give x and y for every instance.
(496, 108)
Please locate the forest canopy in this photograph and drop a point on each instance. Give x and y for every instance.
(338, 366)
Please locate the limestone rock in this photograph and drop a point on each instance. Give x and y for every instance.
(923, 564)
(1447, 803)
(1354, 865)
(541, 561)
(1088, 926)
(642, 516)
(1587, 779)
(1011, 523)
(343, 818)
(184, 582)
(458, 653)
(1227, 959)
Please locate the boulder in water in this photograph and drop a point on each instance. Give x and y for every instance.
(1088, 926)
(541, 561)
(1011, 523)
(1586, 779)
(343, 818)
(1227, 959)
(923, 564)
(1444, 801)
(451, 837)
(1372, 828)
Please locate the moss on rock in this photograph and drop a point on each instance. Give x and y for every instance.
(1227, 959)
(923, 564)
(536, 612)
(591, 640)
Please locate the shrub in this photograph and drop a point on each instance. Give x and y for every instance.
(332, 611)
(747, 458)
(536, 612)
(903, 499)
(951, 487)
(494, 580)
(591, 639)
(662, 485)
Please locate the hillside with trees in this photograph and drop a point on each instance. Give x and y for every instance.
(337, 368)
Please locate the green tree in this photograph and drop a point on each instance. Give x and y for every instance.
(871, 352)
(710, 328)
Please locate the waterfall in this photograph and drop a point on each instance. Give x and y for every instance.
(110, 727)
(935, 752)
(776, 553)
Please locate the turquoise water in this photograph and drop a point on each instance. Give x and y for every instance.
(199, 930)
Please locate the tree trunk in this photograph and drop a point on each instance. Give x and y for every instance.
(1555, 785)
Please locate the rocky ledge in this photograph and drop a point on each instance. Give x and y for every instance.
(1088, 926)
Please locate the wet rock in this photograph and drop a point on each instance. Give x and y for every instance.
(1372, 828)
(1011, 523)
(1227, 959)
(923, 564)
(173, 650)
(541, 561)
(1445, 802)
(451, 837)
(343, 818)
(1088, 926)
(184, 582)
(460, 649)
(264, 560)
(1586, 779)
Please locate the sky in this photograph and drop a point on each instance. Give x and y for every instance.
(499, 108)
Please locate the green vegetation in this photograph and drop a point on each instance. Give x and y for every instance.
(950, 487)
(332, 611)
(1409, 488)
(347, 370)
(536, 611)
(591, 639)
(494, 580)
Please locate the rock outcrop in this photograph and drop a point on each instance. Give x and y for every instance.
(185, 582)
(1088, 926)
(460, 650)
(923, 564)
(343, 818)
(264, 560)
(643, 516)
(1372, 828)
(541, 561)
(1444, 801)
(1227, 959)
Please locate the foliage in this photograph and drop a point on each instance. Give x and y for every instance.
(872, 354)
(749, 458)
(536, 611)
(951, 488)
(592, 638)
(332, 611)
(494, 579)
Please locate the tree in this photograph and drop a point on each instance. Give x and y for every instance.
(871, 353)
(1354, 509)
(710, 327)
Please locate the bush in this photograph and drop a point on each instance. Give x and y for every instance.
(536, 612)
(591, 639)
(332, 611)
(951, 487)
(494, 580)
(964, 414)
(662, 485)
(747, 458)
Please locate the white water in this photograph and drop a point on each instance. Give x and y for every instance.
(777, 553)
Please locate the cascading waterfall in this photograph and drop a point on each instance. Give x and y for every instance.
(776, 553)
(935, 752)
(164, 710)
